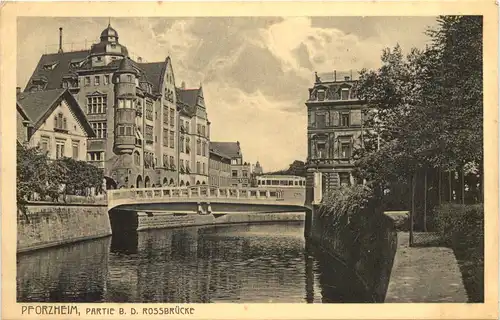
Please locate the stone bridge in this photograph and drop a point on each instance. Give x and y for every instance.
(208, 199)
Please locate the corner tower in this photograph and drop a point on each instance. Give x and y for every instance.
(108, 49)
(125, 107)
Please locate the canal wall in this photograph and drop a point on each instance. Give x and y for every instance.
(367, 245)
(52, 224)
(127, 221)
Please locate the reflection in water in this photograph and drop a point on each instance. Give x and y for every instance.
(70, 273)
(232, 263)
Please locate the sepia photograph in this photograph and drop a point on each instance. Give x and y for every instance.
(306, 159)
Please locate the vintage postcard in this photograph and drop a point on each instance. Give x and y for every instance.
(249, 160)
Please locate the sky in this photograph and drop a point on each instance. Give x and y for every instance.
(255, 71)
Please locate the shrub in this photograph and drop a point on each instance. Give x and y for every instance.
(457, 223)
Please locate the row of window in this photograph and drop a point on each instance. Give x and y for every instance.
(219, 181)
(184, 166)
(168, 138)
(168, 162)
(319, 150)
(200, 167)
(60, 151)
(322, 120)
(217, 165)
(271, 182)
(202, 148)
(149, 160)
(345, 94)
(95, 156)
(125, 103)
(202, 130)
(185, 148)
(100, 129)
(149, 110)
(125, 130)
(97, 104)
(235, 173)
(97, 80)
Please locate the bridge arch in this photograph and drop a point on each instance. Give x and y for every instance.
(139, 181)
(147, 182)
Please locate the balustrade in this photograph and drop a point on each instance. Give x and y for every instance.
(205, 192)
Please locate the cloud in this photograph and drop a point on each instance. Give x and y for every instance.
(266, 133)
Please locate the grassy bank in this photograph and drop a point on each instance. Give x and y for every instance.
(462, 228)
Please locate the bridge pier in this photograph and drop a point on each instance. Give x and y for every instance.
(316, 192)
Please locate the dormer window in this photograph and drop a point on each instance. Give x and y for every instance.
(321, 95)
(344, 94)
(50, 66)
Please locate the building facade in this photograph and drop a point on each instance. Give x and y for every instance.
(140, 118)
(335, 128)
(194, 137)
(53, 121)
(240, 171)
(219, 169)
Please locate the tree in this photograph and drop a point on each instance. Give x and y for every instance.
(426, 113)
(297, 168)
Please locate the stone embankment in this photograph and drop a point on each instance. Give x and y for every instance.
(52, 224)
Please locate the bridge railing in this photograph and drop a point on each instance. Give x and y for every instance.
(206, 192)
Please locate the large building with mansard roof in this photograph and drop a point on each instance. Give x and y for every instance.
(135, 110)
(334, 128)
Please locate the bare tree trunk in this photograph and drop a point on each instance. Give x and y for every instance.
(450, 189)
(481, 182)
(425, 200)
(412, 211)
(462, 185)
(440, 187)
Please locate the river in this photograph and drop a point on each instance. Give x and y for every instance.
(229, 263)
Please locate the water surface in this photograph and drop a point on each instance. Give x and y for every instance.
(231, 263)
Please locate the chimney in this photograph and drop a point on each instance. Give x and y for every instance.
(139, 59)
(183, 85)
(334, 75)
(18, 90)
(60, 41)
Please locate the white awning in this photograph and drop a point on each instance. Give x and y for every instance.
(138, 135)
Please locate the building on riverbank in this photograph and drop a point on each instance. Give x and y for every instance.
(219, 168)
(240, 171)
(194, 137)
(334, 128)
(135, 109)
(54, 121)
